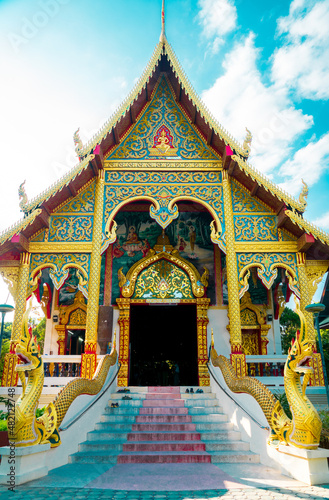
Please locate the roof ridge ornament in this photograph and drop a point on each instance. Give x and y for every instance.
(303, 195)
(247, 143)
(163, 37)
(23, 200)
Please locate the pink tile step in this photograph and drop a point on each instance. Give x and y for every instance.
(163, 436)
(171, 390)
(163, 402)
(168, 419)
(163, 411)
(187, 458)
(163, 446)
(163, 427)
(156, 395)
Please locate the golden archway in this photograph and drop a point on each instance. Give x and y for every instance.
(253, 326)
(71, 317)
(167, 278)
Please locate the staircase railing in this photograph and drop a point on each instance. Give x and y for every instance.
(98, 396)
(232, 398)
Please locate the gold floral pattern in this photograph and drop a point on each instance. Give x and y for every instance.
(65, 228)
(163, 280)
(255, 228)
(162, 114)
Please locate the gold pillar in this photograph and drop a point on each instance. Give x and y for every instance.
(238, 359)
(202, 305)
(89, 357)
(9, 376)
(305, 299)
(61, 330)
(124, 323)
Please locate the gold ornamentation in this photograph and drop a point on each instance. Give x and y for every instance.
(60, 184)
(303, 431)
(165, 165)
(65, 228)
(122, 278)
(315, 270)
(94, 277)
(39, 236)
(9, 377)
(59, 265)
(10, 277)
(266, 246)
(267, 265)
(250, 343)
(62, 247)
(162, 124)
(163, 144)
(248, 318)
(124, 322)
(232, 281)
(255, 228)
(66, 312)
(303, 195)
(174, 259)
(82, 203)
(29, 430)
(19, 226)
(257, 176)
(243, 202)
(163, 280)
(202, 305)
(247, 143)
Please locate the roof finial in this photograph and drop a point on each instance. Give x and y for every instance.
(163, 38)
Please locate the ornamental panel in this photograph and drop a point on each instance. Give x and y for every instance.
(243, 202)
(163, 189)
(163, 131)
(267, 265)
(59, 265)
(82, 203)
(163, 280)
(66, 228)
(253, 228)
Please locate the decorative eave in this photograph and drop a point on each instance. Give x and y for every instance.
(308, 227)
(59, 185)
(262, 182)
(19, 226)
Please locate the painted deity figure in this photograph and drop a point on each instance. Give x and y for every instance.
(163, 142)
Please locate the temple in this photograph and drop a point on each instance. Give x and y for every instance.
(160, 233)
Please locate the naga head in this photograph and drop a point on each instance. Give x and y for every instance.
(27, 349)
(301, 350)
(299, 355)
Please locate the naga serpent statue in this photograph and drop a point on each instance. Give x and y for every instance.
(28, 429)
(304, 429)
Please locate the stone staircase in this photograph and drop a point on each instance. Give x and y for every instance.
(164, 425)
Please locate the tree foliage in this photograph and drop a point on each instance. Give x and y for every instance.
(289, 324)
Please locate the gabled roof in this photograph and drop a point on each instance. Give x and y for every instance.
(233, 155)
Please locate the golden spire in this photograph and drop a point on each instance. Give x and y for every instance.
(163, 38)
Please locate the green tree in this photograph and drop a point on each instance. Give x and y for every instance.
(325, 345)
(289, 324)
(39, 330)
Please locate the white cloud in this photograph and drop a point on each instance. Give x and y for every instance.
(302, 63)
(218, 18)
(239, 98)
(323, 221)
(316, 155)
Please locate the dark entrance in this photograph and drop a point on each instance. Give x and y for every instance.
(163, 345)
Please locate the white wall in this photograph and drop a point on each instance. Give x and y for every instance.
(218, 320)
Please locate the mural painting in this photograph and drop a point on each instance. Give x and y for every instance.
(189, 234)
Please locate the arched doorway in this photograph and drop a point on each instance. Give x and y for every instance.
(163, 320)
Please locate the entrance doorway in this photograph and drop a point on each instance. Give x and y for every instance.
(75, 342)
(163, 345)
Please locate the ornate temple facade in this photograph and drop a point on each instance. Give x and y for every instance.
(162, 232)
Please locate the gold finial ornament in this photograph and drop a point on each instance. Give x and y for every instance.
(212, 339)
(247, 143)
(163, 38)
(303, 195)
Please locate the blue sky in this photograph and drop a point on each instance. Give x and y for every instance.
(69, 63)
